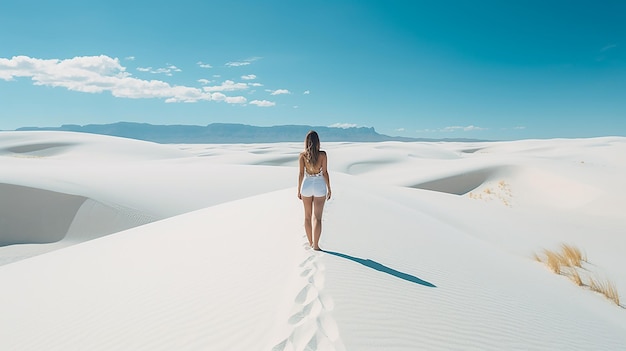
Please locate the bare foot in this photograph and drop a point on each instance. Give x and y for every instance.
(317, 248)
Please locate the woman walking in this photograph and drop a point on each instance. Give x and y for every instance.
(313, 187)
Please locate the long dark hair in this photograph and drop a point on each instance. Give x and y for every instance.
(312, 147)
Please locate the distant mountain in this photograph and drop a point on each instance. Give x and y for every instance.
(225, 133)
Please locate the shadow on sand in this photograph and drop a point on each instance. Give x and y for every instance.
(382, 268)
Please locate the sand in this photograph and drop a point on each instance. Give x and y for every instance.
(110, 243)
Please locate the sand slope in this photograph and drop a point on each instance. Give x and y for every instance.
(428, 246)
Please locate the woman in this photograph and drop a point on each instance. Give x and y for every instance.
(313, 187)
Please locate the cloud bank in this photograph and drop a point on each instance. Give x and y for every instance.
(98, 74)
(242, 62)
(469, 128)
(279, 92)
(168, 70)
(262, 103)
(343, 125)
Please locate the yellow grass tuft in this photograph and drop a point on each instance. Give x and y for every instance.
(553, 261)
(606, 288)
(575, 277)
(572, 255)
(567, 261)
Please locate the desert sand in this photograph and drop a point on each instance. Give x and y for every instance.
(116, 244)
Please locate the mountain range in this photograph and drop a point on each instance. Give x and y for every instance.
(225, 133)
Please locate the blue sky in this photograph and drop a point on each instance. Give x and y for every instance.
(436, 69)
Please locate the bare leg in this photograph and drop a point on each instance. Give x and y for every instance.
(318, 208)
(308, 209)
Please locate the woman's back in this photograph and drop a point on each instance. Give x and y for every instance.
(314, 169)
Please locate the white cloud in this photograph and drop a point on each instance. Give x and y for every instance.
(473, 128)
(279, 92)
(255, 84)
(204, 65)
(248, 77)
(237, 64)
(227, 85)
(469, 128)
(307, 92)
(167, 70)
(236, 100)
(242, 62)
(262, 103)
(164, 70)
(130, 58)
(343, 125)
(97, 74)
(204, 81)
(228, 99)
(218, 97)
(400, 130)
(608, 47)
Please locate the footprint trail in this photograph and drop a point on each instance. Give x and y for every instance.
(311, 325)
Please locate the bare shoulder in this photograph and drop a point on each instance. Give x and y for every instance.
(322, 152)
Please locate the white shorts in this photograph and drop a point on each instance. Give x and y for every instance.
(313, 186)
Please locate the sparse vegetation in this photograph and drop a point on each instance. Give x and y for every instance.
(575, 276)
(606, 288)
(568, 261)
(572, 255)
(501, 192)
(553, 261)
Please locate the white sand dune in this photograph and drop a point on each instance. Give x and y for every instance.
(118, 244)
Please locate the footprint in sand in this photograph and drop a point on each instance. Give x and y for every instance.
(313, 327)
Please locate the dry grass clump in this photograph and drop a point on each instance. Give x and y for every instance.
(567, 261)
(573, 275)
(569, 256)
(554, 261)
(606, 288)
(572, 255)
